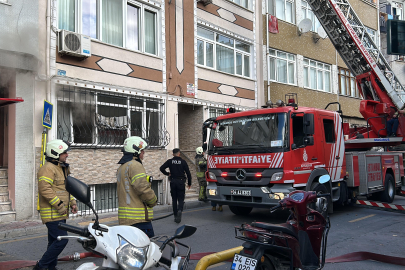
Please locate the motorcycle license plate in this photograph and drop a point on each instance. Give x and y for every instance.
(241, 192)
(243, 263)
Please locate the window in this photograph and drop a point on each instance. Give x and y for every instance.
(222, 53)
(347, 83)
(373, 35)
(282, 9)
(308, 14)
(298, 130)
(243, 3)
(317, 75)
(329, 129)
(128, 24)
(91, 119)
(281, 67)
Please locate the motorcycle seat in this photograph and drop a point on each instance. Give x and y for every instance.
(275, 227)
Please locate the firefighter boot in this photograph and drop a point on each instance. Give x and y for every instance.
(214, 208)
(220, 208)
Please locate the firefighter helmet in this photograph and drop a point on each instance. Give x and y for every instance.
(199, 150)
(55, 148)
(134, 145)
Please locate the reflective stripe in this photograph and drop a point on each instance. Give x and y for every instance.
(152, 201)
(137, 176)
(50, 213)
(43, 178)
(54, 200)
(133, 213)
(71, 197)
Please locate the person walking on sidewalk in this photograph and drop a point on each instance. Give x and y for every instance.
(201, 164)
(135, 195)
(178, 168)
(54, 200)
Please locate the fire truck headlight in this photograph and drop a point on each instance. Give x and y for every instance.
(277, 176)
(277, 196)
(212, 176)
(212, 192)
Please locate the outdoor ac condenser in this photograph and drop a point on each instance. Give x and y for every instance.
(74, 44)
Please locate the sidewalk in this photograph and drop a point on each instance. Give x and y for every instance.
(31, 227)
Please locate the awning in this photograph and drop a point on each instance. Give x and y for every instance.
(8, 101)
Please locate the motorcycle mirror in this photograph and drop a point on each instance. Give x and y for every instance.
(324, 179)
(185, 231)
(78, 189)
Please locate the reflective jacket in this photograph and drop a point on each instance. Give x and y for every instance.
(135, 196)
(52, 191)
(201, 164)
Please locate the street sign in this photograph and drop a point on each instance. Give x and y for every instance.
(47, 115)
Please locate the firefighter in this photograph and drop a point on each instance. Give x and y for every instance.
(178, 167)
(201, 164)
(54, 200)
(135, 195)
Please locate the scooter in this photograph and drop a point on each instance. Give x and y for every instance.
(300, 243)
(125, 247)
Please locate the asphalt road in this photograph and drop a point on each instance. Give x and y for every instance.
(352, 229)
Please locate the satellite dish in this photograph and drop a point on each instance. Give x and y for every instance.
(304, 26)
(321, 32)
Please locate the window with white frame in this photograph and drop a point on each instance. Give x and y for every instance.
(223, 53)
(308, 14)
(92, 119)
(282, 67)
(347, 83)
(317, 75)
(243, 3)
(125, 23)
(282, 9)
(373, 34)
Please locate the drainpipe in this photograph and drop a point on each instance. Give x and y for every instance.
(267, 57)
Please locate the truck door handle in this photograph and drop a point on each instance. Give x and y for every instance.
(314, 158)
(337, 157)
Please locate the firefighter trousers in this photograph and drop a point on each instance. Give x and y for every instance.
(202, 196)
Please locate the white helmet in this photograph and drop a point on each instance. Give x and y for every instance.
(134, 145)
(56, 147)
(199, 150)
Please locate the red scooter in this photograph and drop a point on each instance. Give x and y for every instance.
(300, 243)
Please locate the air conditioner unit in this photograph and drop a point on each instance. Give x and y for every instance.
(205, 2)
(74, 44)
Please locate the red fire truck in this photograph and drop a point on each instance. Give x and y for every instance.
(257, 157)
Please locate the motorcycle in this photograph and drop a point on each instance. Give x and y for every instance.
(125, 247)
(299, 243)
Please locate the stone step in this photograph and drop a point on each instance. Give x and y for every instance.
(4, 197)
(5, 207)
(3, 181)
(7, 216)
(3, 173)
(3, 188)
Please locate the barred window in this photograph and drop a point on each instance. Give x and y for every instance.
(215, 112)
(96, 119)
(347, 83)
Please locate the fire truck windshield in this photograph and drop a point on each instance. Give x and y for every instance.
(250, 134)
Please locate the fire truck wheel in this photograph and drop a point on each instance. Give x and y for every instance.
(388, 194)
(320, 189)
(240, 211)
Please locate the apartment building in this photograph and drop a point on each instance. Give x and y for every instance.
(306, 62)
(114, 68)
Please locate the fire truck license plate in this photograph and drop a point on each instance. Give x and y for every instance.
(241, 192)
(243, 263)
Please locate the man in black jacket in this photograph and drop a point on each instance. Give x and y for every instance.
(178, 168)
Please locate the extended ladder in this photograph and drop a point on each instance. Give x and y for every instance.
(357, 49)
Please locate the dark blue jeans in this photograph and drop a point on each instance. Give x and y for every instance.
(55, 247)
(392, 126)
(146, 227)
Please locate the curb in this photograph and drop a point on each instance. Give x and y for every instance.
(41, 228)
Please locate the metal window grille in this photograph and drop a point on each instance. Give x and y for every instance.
(96, 119)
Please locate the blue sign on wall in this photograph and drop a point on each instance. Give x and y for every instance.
(47, 115)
